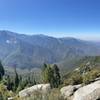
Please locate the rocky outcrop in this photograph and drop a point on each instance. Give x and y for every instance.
(10, 98)
(79, 92)
(68, 91)
(89, 92)
(41, 88)
(71, 92)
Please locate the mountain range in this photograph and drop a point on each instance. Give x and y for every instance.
(31, 51)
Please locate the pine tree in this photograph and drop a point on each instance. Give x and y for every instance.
(34, 82)
(44, 66)
(2, 72)
(21, 84)
(44, 71)
(51, 75)
(9, 84)
(57, 78)
(47, 73)
(16, 81)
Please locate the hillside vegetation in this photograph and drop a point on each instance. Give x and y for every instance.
(86, 73)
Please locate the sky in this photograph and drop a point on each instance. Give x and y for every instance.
(59, 18)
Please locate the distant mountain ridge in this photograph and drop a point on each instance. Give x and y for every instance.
(25, 51)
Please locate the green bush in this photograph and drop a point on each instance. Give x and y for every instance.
(4, 93)
(74, 79)
(90, 76)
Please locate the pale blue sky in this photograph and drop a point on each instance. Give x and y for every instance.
(59, 18)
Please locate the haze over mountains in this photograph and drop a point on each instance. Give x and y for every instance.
(25, 51)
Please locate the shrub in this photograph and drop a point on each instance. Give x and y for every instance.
(74, 79)
(90, 76)
(4, 93)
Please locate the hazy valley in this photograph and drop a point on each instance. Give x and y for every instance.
(32, 51)
(40, 67)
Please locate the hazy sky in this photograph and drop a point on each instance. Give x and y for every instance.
(75, 18)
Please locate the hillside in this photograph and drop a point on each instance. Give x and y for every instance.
(29, 51)
(74, 84)
(85, 63)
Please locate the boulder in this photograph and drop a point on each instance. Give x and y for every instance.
(88, 92)
(11, 98)
(97, 79)
(41, 88)
(68, 91)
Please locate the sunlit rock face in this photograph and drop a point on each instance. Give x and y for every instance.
(40, 88)
(89, 92)
(68, 91)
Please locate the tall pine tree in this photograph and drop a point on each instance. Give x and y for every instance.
(2, 72)
(16, 81)
(57, 78)
(51, 75)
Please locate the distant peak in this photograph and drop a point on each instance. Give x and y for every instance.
(41, 35)
(5, 31)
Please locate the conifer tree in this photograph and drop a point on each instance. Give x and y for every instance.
(44, 72)
(16, 81)
(57, 78)
(10, 83)
(2, 72)
(51, 75)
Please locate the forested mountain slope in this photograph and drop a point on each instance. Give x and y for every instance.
(29, 51)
